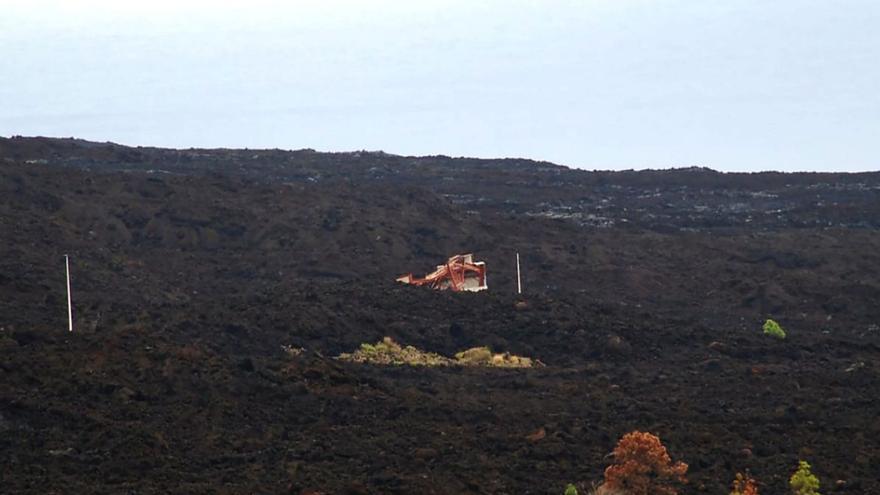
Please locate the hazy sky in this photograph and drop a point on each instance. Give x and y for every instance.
(610, 84)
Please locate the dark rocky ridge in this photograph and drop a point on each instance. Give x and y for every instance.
(193, 268)
(666, 200)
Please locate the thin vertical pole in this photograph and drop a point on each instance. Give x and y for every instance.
(518, 279)
(69, 305)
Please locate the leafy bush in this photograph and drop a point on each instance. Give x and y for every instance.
(643, 467)
(773, 329)
(744, 485)
(804, 482)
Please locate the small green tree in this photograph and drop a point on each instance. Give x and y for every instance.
(571, 490)
(804, 482)
(773, 329)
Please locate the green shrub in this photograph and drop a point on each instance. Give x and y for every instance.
(773, 329)
(571, 490)
(803, 482)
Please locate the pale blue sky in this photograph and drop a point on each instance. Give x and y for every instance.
(607, 84)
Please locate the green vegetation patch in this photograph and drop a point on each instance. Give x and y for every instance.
(803, 481)
(389, 352)
(773, 329)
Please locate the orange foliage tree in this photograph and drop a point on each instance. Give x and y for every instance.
(643, 467)
(744, 485)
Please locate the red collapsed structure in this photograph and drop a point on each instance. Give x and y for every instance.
(460, 273)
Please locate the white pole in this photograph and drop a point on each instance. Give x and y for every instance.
(518, 279)
(69, 305)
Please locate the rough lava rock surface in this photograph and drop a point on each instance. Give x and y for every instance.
(195, 273)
